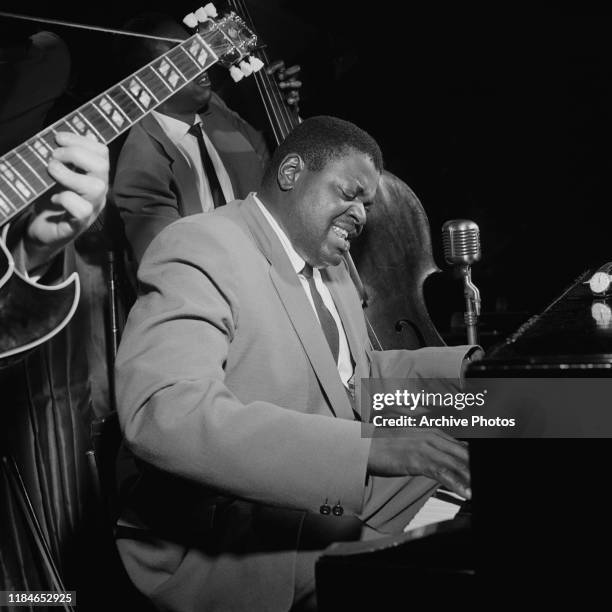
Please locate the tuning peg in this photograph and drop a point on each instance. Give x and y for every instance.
(201, 15)
(191, 21)
(255, 63)
(236, 73)
(210, 10)
(246, 68)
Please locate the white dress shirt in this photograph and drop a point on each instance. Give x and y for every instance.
(345, 364)
(178, 132)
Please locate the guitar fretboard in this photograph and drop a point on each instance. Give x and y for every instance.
(23, 171)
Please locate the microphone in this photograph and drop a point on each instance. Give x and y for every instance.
(461, 241)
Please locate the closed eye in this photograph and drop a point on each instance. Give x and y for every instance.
(347, 195)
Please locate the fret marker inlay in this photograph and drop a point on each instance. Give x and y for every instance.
(163, 68)
(117, 118)
(4, 207)
(145, 99)
(105, 105)
(41, 149)
(17, 184)
(79, 125)
(134, 87)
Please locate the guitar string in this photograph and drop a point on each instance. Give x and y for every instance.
(82, 26)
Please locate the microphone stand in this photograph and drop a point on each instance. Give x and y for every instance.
(472, 304)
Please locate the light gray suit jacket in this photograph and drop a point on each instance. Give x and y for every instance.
(227, 391)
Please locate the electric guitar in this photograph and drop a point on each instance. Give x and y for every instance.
(31, 313)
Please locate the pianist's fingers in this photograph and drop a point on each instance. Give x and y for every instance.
(450, 472)
(428, 452)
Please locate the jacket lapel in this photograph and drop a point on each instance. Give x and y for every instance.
(301, 315)
(189, 202)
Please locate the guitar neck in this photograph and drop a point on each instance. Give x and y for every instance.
(23, 171)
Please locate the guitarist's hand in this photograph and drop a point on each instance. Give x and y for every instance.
(287, 82)
(80, 166)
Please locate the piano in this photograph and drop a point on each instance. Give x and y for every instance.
(571, 338)
(539, 513)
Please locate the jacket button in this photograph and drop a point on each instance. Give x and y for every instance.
(338, 510)
(325, 509)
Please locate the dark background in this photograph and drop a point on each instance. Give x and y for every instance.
(501, 117)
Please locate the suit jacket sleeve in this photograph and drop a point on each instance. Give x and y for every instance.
(432, 362)
(177, 412)
(144, 190)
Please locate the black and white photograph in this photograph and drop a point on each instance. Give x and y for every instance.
(304, 306)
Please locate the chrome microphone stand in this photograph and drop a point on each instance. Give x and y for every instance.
(461, 240)
(472, 304)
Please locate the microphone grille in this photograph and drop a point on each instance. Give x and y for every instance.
(461, 241)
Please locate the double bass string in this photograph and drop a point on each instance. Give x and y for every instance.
(270, 111)
(272, 84)
(269, 92)
(276, 109)
(274, 122)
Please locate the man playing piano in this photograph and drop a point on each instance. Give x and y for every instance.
(238, 392)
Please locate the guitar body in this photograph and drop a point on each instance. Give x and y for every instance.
(30, 313)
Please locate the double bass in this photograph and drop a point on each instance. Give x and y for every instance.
(392, 258)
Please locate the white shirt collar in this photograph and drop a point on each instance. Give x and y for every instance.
(296, 261)
(175, 128)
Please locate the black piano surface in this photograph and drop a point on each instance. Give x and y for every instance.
(540, 506)
(572, 337)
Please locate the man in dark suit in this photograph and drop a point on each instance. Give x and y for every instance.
(188, 156)
(239, 391)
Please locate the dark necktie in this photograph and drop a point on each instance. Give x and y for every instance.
(213, 180)
(330, 329)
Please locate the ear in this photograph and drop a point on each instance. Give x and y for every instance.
(289, 171)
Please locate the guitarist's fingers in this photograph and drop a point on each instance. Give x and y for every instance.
(84, 159)
(81, 211)
(90, 187)
(67, 139)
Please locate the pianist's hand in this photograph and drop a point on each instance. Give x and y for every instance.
(80, 166)
(426, 452)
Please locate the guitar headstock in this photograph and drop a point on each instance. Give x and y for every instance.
(229, 38)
